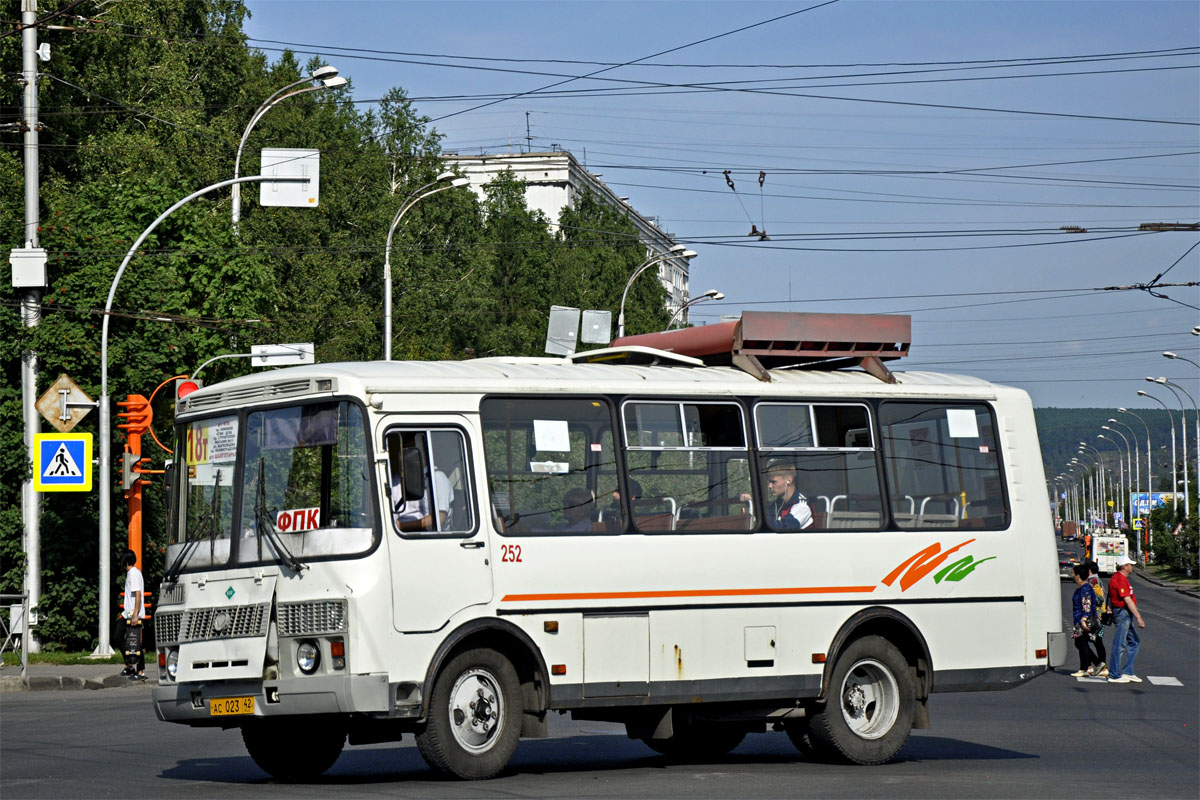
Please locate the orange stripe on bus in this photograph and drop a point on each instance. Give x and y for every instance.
(525, 598)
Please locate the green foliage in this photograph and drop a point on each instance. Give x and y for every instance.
(1060, 431)
(147, 104)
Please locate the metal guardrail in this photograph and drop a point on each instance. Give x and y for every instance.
(10, 632)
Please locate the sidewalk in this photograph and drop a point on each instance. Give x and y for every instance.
(1190, 591)
(43, 677)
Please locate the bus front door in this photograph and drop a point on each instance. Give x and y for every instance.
(437, 546)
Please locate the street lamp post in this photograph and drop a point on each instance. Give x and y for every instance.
(1171, 387)
(1101, 477)
(1171, 418)
(711, 294)
(1136, 460)
(328, 77)
(1196, 414)
(1149, 478)
(678, 251)
(1121, 470)
(103, 648)
(441, 183)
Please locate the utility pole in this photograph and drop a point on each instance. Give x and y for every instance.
(31, 298)
(528, 138)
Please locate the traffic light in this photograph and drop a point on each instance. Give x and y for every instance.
(184, 387)
(137, 414)
(129, 476)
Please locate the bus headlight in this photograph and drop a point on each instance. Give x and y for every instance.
(173, 663)
(308, 656)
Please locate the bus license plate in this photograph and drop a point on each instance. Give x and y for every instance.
(228, 706)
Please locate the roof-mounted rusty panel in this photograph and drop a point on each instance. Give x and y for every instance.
(764, 339)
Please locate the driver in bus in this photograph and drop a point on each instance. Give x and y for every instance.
(417, 515)
(788, 508)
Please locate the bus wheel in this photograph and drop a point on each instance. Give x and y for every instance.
(799, 732)
(870, 704)
(474, 716)
(291, 752)
(698, 741)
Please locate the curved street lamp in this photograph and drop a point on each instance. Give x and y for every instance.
(711, 294)
(678, 251)
(1121, 469)
(1171, 418)
(441, 183)
(328, 77)
(1171, 387)
(1169, 354)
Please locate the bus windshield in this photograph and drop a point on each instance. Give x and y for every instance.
(304, 481)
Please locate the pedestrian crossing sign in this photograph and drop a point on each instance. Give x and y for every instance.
(62, 462)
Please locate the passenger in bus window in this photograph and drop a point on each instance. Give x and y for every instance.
(635, 493)
(788, 508)
(577, 508)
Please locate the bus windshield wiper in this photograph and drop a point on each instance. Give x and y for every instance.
(265, 525)
(205, 528)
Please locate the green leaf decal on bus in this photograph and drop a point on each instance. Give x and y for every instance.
(960, 569)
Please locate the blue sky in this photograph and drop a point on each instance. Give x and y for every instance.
(866, 203)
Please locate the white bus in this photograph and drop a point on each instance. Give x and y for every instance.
(455, 550)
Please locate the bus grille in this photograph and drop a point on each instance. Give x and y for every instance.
(307, 619)
(196, 624)
(166, 626)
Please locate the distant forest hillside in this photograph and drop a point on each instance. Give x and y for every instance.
(1062, 429)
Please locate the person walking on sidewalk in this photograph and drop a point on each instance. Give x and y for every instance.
(1124, 607)
(1085, 613)
(130, 629)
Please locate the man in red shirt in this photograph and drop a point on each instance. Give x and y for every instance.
(1125, 610)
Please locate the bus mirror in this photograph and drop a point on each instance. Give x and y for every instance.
(414, 474)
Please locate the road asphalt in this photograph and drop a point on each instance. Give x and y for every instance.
(41, 677)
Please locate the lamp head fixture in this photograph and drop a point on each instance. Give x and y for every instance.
(333, 83)
(1161, 380)
(445, 176)
(1169, 354)
(460, 182)
(1142, 394)
(322, 73)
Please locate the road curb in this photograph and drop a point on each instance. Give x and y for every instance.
(47, 683)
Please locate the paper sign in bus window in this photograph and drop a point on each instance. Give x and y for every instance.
(961, 423)
(551, 436)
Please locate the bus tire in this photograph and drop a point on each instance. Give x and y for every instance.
(869, 711)
(698, 741)
(474, 716)
(799, 732)
(280, 752)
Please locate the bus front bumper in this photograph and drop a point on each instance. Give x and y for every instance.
(192, 703)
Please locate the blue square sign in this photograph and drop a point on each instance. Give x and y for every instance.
(62, 462)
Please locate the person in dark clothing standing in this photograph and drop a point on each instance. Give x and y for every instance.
(131, 619)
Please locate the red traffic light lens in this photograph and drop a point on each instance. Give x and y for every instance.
(185, 388)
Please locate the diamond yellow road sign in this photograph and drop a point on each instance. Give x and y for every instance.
(62, 462)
